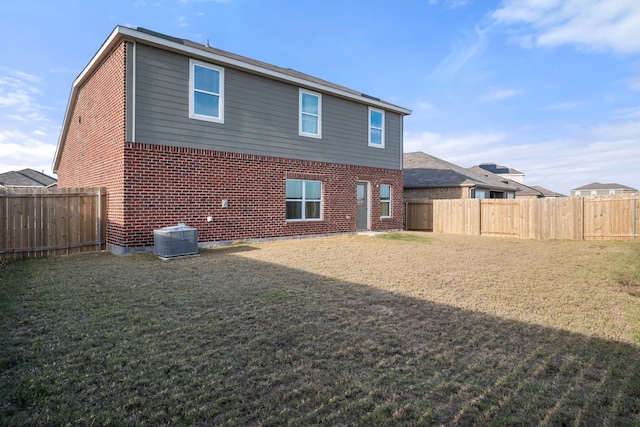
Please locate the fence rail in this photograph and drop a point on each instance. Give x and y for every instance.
(572, 218)
(38, 222)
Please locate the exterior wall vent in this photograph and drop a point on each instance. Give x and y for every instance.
(175, 241)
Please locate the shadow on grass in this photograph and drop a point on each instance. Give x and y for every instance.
(221, 339)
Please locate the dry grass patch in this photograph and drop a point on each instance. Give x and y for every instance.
(401, 329)
(561, 284)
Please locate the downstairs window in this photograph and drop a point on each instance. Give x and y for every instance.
(304, 200)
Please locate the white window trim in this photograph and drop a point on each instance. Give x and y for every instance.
(304, 199)
(381, 145)
(389, 202)
(300, 132)
(192, 114)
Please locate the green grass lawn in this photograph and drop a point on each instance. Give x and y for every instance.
(410, 329)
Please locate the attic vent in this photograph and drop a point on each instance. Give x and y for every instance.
(175, 241)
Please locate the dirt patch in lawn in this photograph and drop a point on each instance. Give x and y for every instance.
(392, 329)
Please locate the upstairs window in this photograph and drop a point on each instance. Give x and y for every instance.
(206, 87)
(310, 114)
(304, 199)
(385, 200)
(376, 128)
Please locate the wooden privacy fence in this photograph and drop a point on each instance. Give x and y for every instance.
(419, 215)
(572, 218)
(37, 222)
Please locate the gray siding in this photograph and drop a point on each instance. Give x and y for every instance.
(260, 117)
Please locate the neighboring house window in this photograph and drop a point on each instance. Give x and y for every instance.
(304, 199)
(376, 128)
(310, 114)
(206, 92)
(385, 200)
(478, 194)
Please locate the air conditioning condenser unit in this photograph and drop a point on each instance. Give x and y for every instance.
(178, 240)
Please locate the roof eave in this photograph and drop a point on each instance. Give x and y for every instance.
(168, 44)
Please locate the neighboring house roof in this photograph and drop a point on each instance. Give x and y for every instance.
(207, 53)
(599, 186)
(26, 178)
(521, 189)
(546, 192)
(422, 170)
(497, 169)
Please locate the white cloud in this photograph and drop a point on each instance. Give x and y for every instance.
(203, 1)
(604, 153)
(564, 106)
(499, 95)
(27, 137)
(628, 114)
(600, 25)
(26, 76)
(633, 83)
(461, 53)
(21, 151)
(59, 70)
(423, 105)
(17, 98)
(18, 93)
(460, 147)
(455, 3)
(452, 4)
(626, 131)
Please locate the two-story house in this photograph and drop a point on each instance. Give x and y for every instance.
(179, 132)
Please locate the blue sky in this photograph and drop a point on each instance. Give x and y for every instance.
(548, 87)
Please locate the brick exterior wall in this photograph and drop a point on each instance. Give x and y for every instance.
(437, 193)
(168, 185)
(93, 154)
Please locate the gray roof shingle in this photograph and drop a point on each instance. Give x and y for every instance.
(422, 170)
(26, 178)
(599, 186)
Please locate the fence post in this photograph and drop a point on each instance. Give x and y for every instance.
(99, 220)
(634, 217)
(582, 219)
(406, 215)
(480, 217)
